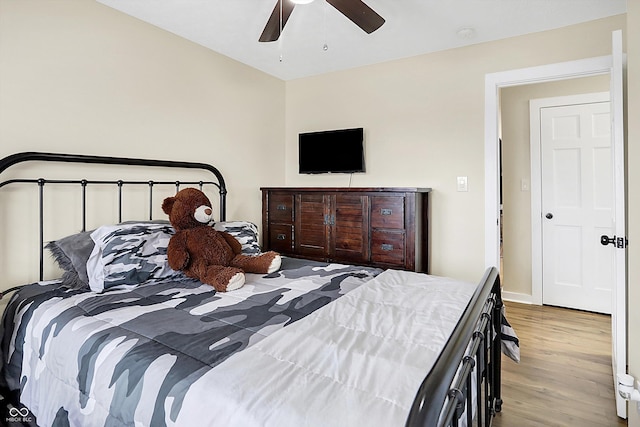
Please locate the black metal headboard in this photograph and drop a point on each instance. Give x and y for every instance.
(13, 159)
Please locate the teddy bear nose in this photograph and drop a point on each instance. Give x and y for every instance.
(203, 214)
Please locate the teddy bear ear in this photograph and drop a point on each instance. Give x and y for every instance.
(167, 204)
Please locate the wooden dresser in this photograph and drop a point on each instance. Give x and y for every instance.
(382, 227)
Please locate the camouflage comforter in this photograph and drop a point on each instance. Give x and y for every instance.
(129, 357)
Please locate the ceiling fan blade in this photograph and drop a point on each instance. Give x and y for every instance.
(358, 12)
(273, 28)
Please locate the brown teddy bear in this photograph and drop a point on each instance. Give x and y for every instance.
(211, 256)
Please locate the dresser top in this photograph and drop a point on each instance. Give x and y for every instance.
(348, 189)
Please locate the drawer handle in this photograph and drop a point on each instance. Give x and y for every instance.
(329, 220)
(386, 247)
(281, 237)
(386, 211)
(281, 207)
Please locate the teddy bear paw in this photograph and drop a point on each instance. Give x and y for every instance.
(275, 264)
(236, 282)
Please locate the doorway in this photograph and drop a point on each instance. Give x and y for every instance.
(608, 65)
(520, 184)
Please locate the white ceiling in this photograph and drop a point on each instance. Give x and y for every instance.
(412, 27)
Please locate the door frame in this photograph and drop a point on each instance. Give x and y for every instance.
(493, 83)
(535, 105)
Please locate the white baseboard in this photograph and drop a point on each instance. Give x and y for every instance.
(517, 297)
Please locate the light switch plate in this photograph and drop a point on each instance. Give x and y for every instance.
(462, 183)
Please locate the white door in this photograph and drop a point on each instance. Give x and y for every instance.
(577, 206)
(619, 309)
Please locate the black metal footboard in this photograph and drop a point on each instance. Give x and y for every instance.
(464, 385)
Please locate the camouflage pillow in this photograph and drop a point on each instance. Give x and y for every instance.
(129, 254)
(245, 232)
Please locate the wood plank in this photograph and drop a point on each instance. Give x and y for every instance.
(564, 377)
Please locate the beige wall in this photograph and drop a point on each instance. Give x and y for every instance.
(424, 126)
(516, 271)
(79, 77)
(633, 191)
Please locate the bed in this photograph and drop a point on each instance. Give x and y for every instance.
(120, 339)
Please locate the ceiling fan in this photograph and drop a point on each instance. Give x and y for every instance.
(358, 12)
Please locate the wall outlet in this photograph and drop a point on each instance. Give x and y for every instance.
(462, 183)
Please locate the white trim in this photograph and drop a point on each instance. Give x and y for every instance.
(517, 297)
(536, 177)
(493, 83)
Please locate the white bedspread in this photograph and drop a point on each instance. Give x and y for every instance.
(356, 362)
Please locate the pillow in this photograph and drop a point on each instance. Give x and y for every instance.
(129, 254)
(71, 254)
(245, 232)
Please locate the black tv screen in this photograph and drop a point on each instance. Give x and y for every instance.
(334, 151)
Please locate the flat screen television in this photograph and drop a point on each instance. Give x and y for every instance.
(333, 151)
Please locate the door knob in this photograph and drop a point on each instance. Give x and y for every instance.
(549, 215)
(606, 240)
(618, 242)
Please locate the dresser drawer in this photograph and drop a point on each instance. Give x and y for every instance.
(387, 212)
(388, 247)
(281, 208)
(281, 238)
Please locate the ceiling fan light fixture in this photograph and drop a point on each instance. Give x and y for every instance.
(301, 1)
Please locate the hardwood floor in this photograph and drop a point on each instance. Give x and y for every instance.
(564, 377)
